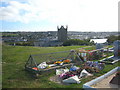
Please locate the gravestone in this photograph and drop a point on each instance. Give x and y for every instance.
(99, 45)
(116, 48)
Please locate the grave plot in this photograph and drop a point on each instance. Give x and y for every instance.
(70, 75)
(110, 60)
(64, 63)
(91, 55)
(45, 62)
(75, 74)
(116, 57)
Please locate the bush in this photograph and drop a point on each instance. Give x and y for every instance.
(112, 38)
(76, 42)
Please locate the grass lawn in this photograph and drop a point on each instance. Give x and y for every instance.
(14, 75)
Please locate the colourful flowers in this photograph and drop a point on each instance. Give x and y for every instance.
(66, 61)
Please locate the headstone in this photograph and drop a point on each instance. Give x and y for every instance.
(99, 46)
(117, 48)
(73, 79)
(14, 44)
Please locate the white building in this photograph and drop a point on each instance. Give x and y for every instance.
(99, 40)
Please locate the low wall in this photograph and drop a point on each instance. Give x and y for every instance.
(87, 85)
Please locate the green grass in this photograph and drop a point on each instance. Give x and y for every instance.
(14, 75)
(14, 59)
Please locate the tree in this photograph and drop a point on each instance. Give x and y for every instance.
(76, 42)
(112, 38)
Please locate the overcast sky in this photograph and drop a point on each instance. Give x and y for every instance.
(45, 15)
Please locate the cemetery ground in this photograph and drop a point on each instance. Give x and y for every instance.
(14, 75)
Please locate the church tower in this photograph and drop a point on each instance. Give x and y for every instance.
(62, 33)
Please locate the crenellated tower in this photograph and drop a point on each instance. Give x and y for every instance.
(62, 33)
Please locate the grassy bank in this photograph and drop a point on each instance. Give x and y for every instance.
(14, 59)
(14, 75)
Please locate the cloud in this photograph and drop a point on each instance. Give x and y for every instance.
(12, 12)
(52, 10)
